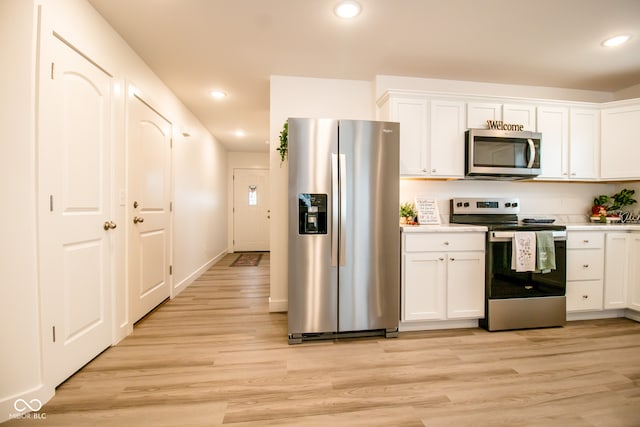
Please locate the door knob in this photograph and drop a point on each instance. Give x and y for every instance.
(109, 225)
(137, 219)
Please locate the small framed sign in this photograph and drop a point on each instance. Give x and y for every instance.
(427, 210)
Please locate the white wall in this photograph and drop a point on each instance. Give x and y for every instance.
(199, 180)
(303, 97)
(20, 370)
(240, 160)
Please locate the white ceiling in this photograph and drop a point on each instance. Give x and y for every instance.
(196, 46)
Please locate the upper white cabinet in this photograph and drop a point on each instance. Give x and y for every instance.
(570, 142)
(446, 139)
(431, 135)
(479, 112)
(620, 142)
(553, 123)
(584, 143)
(520, 114)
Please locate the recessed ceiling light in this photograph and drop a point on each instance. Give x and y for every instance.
(616, 41)
(218, 94)
(239, 133)
(347, 9)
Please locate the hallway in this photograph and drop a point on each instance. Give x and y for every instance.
(214, 355)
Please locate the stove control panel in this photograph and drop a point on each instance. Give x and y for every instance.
(479, 206)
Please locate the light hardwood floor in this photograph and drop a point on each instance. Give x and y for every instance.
(215, 355)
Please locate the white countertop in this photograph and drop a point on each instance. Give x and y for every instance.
(596, 226)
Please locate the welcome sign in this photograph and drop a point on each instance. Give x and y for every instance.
(500, 125)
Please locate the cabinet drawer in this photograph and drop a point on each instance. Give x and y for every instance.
(585, 240)
(584, 295)
(587, 264)
(426, 242)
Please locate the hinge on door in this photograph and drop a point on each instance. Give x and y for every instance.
(170, 206)
(51, 203)
(170, 270)
(171, 143)
(54, 333)
(53, 65)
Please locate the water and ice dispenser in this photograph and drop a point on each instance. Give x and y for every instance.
(312, 213)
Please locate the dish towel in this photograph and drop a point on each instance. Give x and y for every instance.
(523, 253)
(546, 252)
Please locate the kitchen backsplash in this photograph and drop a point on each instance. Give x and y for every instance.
(570, 202)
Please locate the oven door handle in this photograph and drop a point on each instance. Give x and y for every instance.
(508, 235)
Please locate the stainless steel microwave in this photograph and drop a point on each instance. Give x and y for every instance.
(500, 154)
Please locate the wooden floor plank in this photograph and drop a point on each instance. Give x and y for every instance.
(215, 356)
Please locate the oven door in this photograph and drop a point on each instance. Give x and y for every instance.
(504, 282)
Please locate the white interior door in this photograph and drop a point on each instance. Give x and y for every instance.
(251, 210)
(74, 243)
(148, 213)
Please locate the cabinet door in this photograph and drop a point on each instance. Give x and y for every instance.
(412, 116)
(423, 286)
(446, 139)
(584, 295)
(479, 112)
(520, 114)
(553, 123)
(633, 301)
(616, 270)
(465, 285)
(584, 144)
(620, 142)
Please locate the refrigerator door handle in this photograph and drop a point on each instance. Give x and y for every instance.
(334, 209)
(343, 208)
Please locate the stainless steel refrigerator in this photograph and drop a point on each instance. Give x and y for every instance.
(344, 233)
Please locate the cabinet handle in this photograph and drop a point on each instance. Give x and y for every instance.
(585, 296)
(585, 265)
(585, 241)
(433, 171)
(440, 259)
(452, 259)
(446, 243)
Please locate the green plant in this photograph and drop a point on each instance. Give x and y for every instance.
(283, 148)
(407, 210)
(622, 198)
(602, 200)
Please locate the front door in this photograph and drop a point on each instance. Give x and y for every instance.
(251, 210)
(148, 212)
(74, 215)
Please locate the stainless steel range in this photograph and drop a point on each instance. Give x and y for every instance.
(516, 299)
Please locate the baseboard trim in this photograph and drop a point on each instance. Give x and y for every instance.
(429, 325)
(278, 306)
(197, 273)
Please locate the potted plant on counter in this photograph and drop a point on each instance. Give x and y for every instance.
(622, 199)
(407, 213)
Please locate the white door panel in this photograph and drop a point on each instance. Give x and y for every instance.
(74, 194)
(149, 139)
(251, 210)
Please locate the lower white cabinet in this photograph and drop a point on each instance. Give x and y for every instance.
(616, 279)
(585, 270)
(633, 301)
(442, 276)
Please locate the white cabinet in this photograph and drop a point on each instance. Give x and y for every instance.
(520, 114)
(553, 123)
(620, 142)
(616, 268)
(633, 301)
(442, 276)
(570, 142)
(446, 139)
(411, 113)
(431, 135)
(479, 112)
(585, 270)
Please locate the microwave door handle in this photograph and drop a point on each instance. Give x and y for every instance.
(532, 153)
